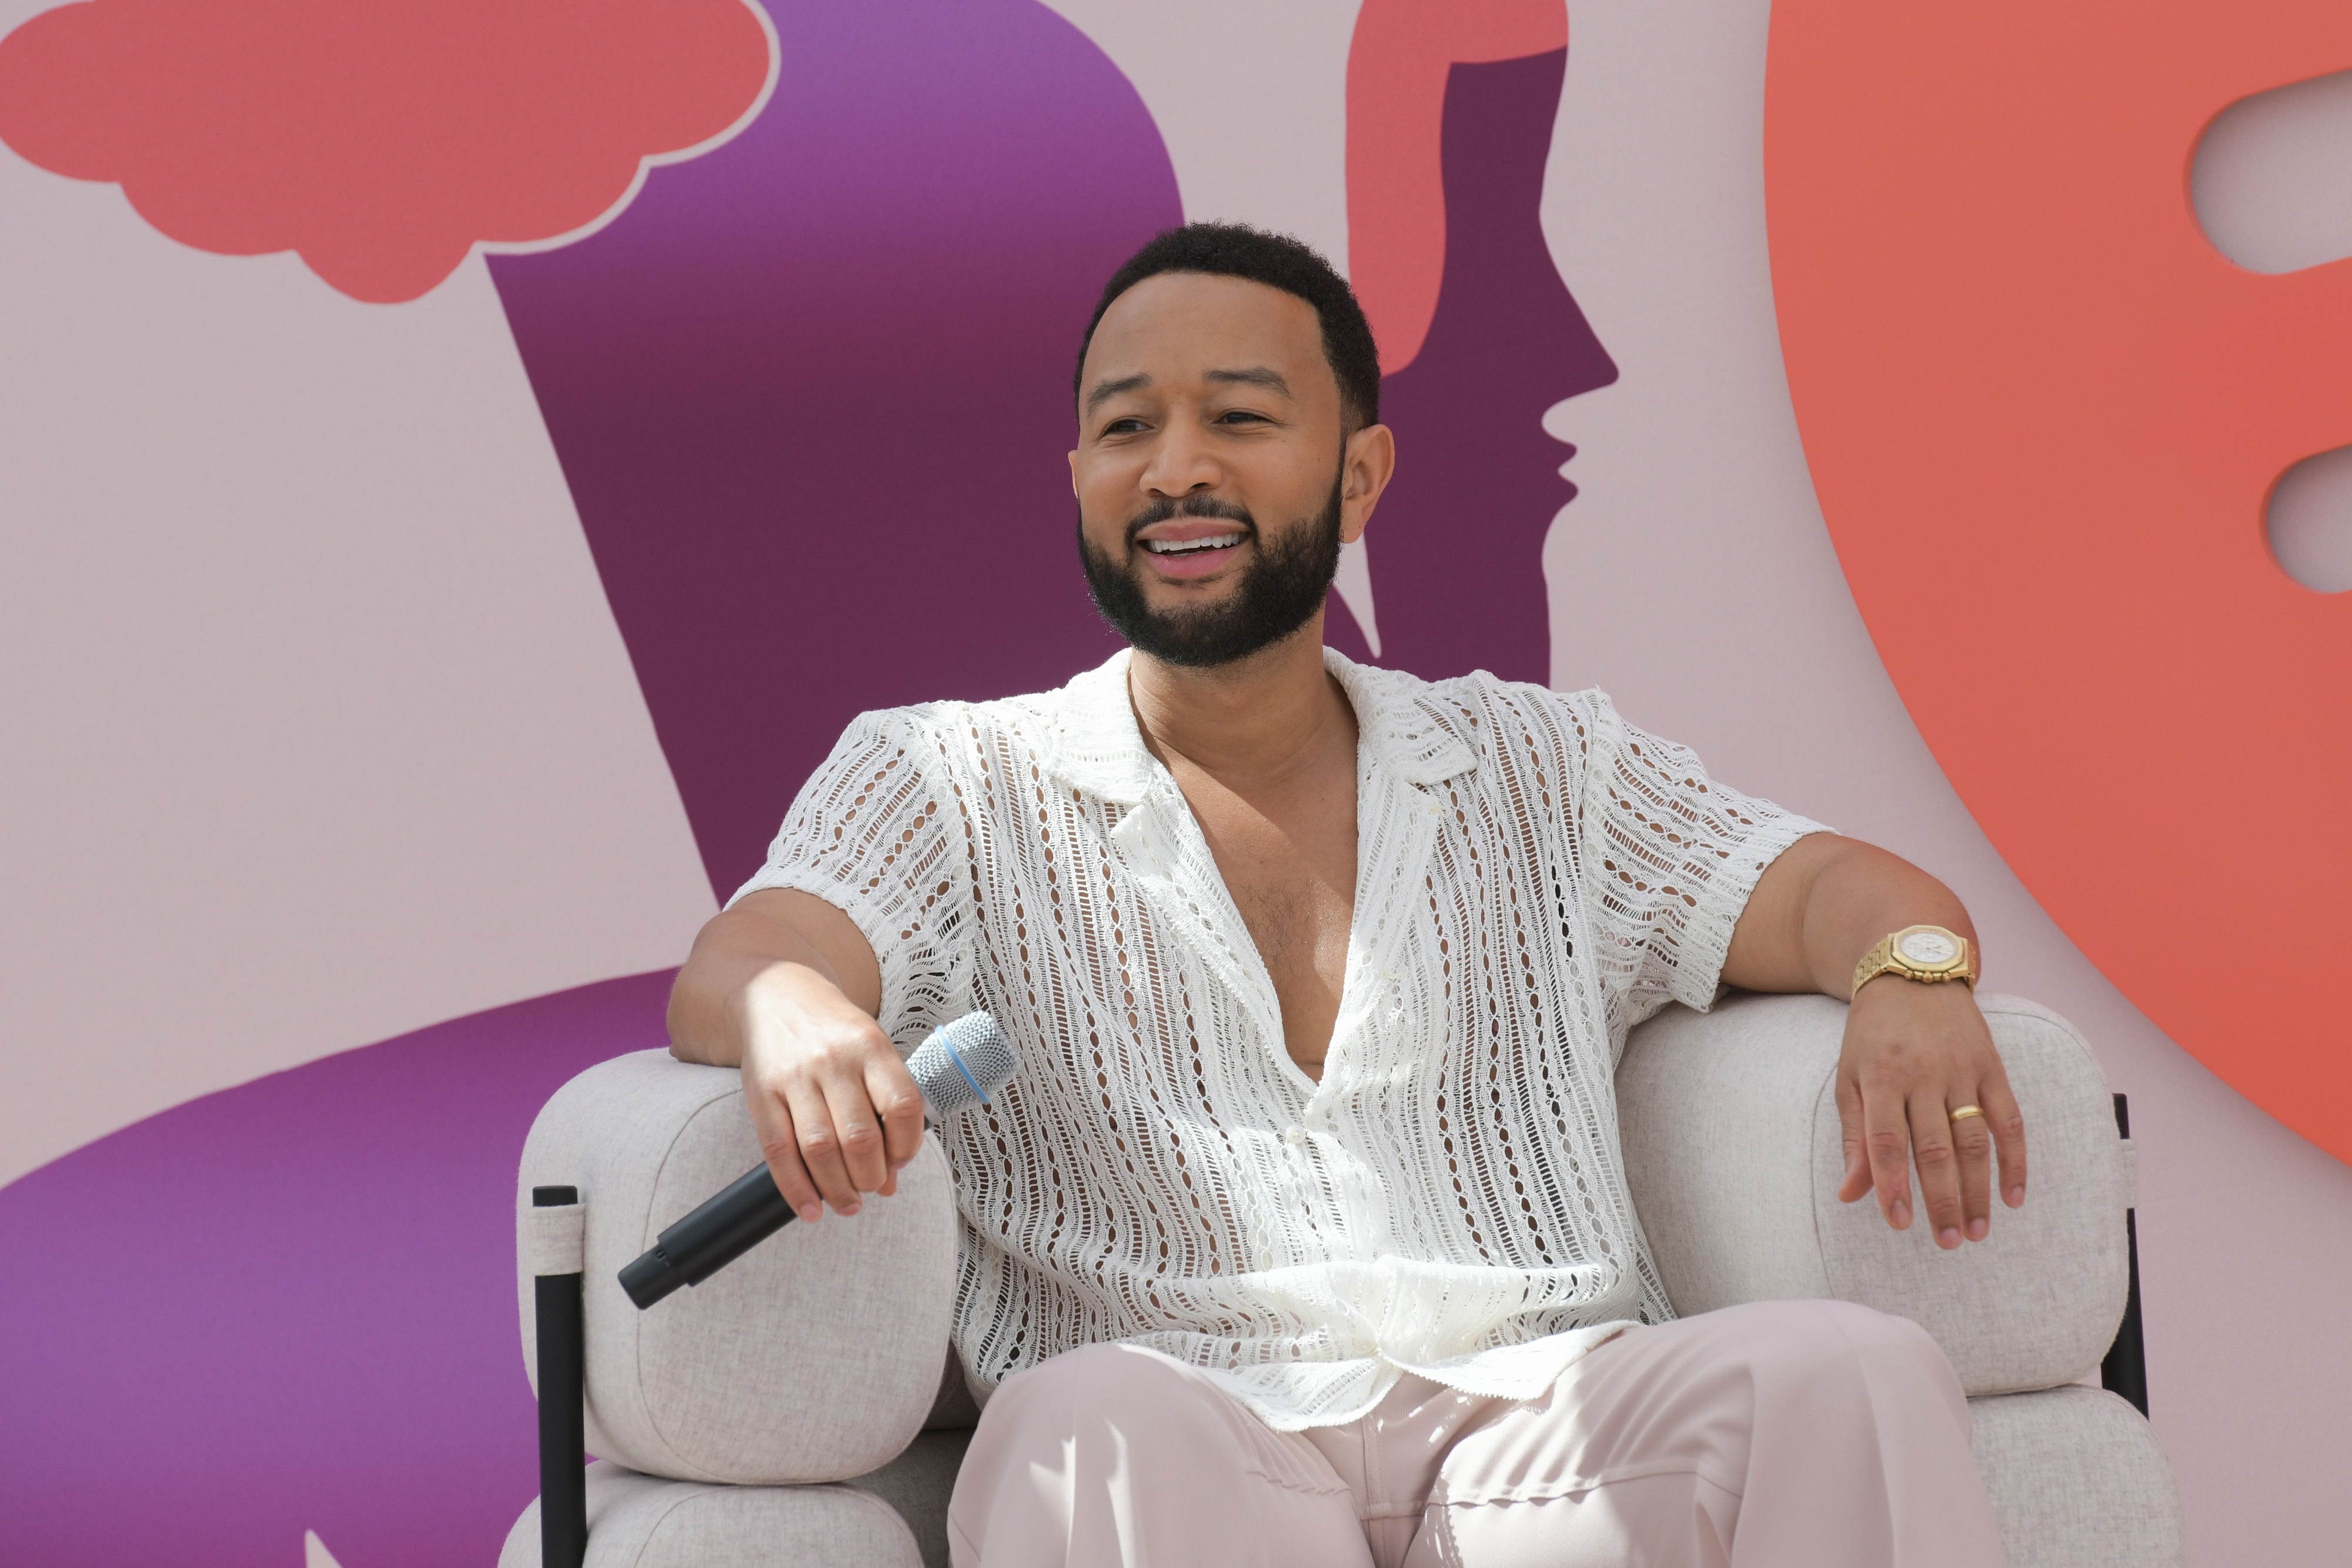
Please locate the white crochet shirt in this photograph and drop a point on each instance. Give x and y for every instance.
(1534, 876)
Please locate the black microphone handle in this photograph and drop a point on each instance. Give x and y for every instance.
(747, 1213)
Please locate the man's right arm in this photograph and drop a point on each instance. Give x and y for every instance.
(784, 985)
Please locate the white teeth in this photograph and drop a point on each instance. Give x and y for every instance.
(1186, 546)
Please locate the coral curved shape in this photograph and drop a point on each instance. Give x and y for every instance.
(2043, 414)
(380, 142)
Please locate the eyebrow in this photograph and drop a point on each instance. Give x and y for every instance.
(1255, 376)
(1252, 376)
(1106, 391)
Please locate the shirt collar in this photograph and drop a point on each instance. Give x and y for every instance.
(1404, 722)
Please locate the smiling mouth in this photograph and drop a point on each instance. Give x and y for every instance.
(1191, 547)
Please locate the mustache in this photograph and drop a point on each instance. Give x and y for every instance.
(1165, 508)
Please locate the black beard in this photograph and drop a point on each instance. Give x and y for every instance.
(1285, 585)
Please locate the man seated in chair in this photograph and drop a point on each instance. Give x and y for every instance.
(1302, 1236)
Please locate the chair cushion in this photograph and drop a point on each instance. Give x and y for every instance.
(813, 1357)
(643, 1522)
(1734, 1152)
(2078, 1481)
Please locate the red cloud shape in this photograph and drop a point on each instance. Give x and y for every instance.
(380, 140)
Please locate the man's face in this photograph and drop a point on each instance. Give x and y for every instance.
(1215, 483)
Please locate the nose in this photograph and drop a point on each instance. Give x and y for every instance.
(1180, 463)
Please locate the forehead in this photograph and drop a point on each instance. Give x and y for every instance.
(1177, 324)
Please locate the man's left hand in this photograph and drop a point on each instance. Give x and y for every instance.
(1915, 1053)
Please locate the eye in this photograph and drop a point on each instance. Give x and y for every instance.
(1231, 415)
(1126, 426)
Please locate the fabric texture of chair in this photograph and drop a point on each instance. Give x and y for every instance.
(2077, 1481)
(644, 1522)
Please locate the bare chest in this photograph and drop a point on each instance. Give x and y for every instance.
(1289, 865)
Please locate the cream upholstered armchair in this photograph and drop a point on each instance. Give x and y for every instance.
(793, 1410)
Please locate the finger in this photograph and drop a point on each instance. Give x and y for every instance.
(820, 1144)
(860, 1128)
(1939, 1175)
(1887, 1139)
(892, 1088)
(2008, 1130)
(771, 1119)
(1857, 1159)
(1972, 1145)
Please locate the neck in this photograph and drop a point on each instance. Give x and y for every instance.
(1251, 720)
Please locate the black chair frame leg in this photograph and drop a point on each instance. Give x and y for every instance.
(562, 1407)
(2124, 1370)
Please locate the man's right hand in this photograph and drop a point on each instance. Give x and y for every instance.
(784, 985)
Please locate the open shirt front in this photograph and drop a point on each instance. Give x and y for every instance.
(1534, 877)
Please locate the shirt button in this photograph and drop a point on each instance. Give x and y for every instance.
(1293, 1136)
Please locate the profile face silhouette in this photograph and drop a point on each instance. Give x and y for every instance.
(1456, 548)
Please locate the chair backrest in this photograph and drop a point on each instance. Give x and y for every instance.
(813, 1357)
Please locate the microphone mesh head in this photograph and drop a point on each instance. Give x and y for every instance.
(974, 1041)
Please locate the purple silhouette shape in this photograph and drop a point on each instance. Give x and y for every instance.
(812, 394)
(290, 1306)
(1457, 544)
(812, 391)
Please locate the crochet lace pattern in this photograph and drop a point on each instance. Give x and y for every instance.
(1535, 877)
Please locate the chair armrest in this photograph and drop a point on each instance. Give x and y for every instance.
(1734, 1153)
(813, 1357)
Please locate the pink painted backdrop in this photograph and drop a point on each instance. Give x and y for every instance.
(466, 463)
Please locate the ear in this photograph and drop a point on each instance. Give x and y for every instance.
(1366, 462)
(1074, 470)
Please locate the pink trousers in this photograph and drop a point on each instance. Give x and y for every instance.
(1766, 1436)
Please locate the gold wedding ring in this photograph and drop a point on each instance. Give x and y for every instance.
(1967, 1111)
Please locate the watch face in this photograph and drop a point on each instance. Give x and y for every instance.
(1929, 948)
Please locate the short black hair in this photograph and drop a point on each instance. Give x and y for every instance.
(1278, 261)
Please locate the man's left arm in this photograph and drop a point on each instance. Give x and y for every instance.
(1915, 1050)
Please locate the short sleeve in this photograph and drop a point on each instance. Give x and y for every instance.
(1670, 857)
(874, 834)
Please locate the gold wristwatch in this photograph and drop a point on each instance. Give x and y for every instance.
(1926, 952)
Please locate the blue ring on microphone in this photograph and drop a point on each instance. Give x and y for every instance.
(956, 1057)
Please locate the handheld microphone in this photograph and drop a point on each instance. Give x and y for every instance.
(957, 1068)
